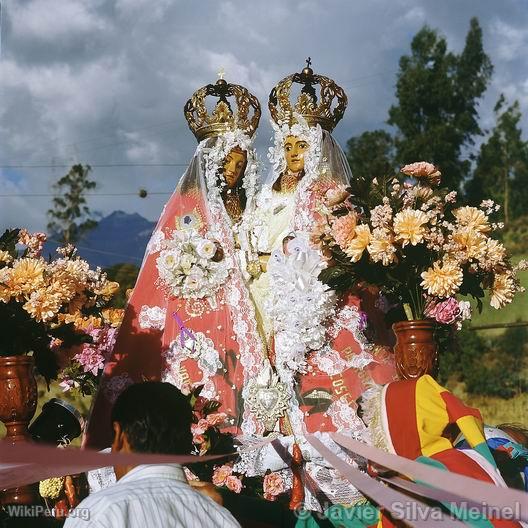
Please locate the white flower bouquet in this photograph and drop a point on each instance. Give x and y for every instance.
(191, 265)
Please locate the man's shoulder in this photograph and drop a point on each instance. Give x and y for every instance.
(116, 500)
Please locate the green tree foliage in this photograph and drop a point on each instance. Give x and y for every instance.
(371, 155)
(501, 172)
(495, 367)
(125, 275)
(70, 216)
(437, 96)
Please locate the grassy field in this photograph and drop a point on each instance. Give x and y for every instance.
(516, 311)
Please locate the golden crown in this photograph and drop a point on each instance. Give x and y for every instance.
(222, 119)
(314, 108)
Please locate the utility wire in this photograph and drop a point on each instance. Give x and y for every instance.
(94, 166)
(42, 195)
(84, 248)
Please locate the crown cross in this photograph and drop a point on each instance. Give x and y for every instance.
(308, 62)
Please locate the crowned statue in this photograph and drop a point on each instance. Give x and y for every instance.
(315, 338)
(190, 319)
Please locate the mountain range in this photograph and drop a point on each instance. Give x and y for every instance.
(118, 238)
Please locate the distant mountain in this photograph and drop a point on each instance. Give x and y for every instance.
(118, 238)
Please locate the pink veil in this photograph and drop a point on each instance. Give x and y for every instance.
(191, 339)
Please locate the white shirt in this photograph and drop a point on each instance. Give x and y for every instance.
(150, 496)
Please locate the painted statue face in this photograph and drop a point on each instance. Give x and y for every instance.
(234, 165)
(294, 150)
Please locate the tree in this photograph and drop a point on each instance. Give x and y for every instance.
(126, 275)
(438, 92)
(502, 164)
(70, 217)
(371, 155)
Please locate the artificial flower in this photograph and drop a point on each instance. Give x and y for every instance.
(233, 483)
(495, 253)
(381, 247)
(502, 290)
(27, 276)
(221, 473)
(472, 218)
(344, 229)
(444, 312)
(443, 279)
(5, 257)
(359, 243)
(51, 488)
(409, 226)
(471, 244)
(422, 170)
(273, 484)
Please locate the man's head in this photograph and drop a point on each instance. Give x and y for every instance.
(151, 417)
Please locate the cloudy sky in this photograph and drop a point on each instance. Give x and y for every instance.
(104, 82)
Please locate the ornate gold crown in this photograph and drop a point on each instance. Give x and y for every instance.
(222, 118)
(315, 109)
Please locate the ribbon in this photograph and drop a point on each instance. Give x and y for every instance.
(22, 463)
(392, 500)
(184, 331)
(466, 488)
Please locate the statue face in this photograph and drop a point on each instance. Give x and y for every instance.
(234, 165)
(294, 149)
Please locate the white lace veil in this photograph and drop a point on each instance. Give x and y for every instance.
(203, 179)
(324, 163)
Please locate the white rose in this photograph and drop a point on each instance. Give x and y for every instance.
(186, 262)
(206, 249)
(168, 259)
(193, 281)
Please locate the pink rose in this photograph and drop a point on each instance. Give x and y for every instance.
(444, 312)
(336, 196)
(273, 484)
(215, 419)
(221, 473)
(200, 427)
(233, 483)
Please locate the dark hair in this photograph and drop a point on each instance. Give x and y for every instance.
(156, 418)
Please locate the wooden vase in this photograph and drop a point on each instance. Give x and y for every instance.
(18, 402)
(416, 351)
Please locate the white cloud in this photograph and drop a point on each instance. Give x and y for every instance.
(55, 19)
(512, 41)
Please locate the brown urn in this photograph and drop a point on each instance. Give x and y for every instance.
(18, 402)
(415, 352)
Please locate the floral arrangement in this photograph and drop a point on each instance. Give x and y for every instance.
(424, 251)
(87, 361)
(46, 304)
(191, 266)
(207, 437)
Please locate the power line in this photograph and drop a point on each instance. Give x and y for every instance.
(43, 195)
(84, 248)
(95, 166)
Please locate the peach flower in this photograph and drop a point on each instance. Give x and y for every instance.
(221, 473)
(233, 483)
(273, 484)
(344, 229)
